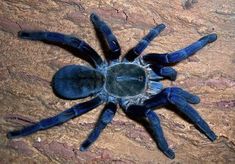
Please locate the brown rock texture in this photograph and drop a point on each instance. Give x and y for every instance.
(26, 69)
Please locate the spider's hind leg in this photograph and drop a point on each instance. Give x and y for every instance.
(47, 123)
(158, 134)
(105, 118)
(154, 121)
(181, 99)
(193, 115)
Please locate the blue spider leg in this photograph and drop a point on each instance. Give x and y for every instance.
(114, 49)
(157, 100)
(70, 113)
(193, 115)
(166, 72)
(180, 99)
(64, 40)
(154, 121)
(105, 118)
(158, 134)
(177, 56)
(190, 98)
(144, 42)
(154, 87)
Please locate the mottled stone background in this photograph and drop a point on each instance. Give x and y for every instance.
(26, 69)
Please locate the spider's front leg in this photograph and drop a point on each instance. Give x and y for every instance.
(135, 111)
(177, 56)
(159, 62)
(181, 99)
(144, 42)
(114, 49)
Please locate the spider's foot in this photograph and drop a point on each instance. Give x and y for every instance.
(212, 136)
(210, 38)
(206, 129)
(14, 134)
(85, 145)
(94, 17)
(23, 34)
(37, 35)
(169, 153)
(160, 27)
(9, 135)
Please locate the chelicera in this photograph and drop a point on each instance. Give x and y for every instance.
(133, 82)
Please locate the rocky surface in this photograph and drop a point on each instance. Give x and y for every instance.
(26, 69)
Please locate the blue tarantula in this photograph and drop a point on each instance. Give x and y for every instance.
(133, 83)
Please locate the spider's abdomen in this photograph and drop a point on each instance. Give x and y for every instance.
(125, 80)
(75, 81)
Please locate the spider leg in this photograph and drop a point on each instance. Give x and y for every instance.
(180, 99)
(154, 121)
(144, 42)
(109, 37)
(193, 115)
(105, 118)
(166, 72)
(158, 134)
(64, 40)
(177, 56)
(70, 113)
(154, 87)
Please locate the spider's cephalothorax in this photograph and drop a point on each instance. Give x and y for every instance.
(133, 83)
(125, 80)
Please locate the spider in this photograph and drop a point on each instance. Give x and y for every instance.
(133, 82)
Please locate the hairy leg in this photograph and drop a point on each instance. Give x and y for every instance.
(144, 42)
(158, 134)
(70, 113)
(177, 56)
(180, 99)
(193, 115)
(109, 37)
(105, 118)
(166, 72)
(154, 122)
(61, 39)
